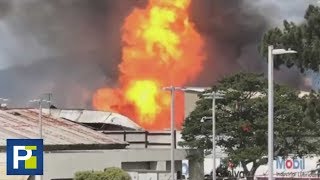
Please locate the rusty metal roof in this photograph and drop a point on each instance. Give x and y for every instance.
(58, 134)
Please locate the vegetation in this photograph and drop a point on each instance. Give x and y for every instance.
(241, 122)
(304, 38)
(112, 173)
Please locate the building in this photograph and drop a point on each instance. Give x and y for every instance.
(72, 147)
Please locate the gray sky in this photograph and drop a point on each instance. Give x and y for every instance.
(278, 10)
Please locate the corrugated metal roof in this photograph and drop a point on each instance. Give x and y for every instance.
(57, 133)
(88, 116)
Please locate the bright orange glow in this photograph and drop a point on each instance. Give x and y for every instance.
(160, 48)
(143, 94)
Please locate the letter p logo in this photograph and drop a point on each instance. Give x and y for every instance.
(24, 157)
(29, 160)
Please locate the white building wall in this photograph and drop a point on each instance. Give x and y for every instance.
(65, 164)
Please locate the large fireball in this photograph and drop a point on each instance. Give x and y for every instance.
(160, 48)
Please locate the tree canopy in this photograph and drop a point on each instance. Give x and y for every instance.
(241, 121)
(304, 38)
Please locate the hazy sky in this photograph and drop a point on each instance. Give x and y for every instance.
(277, 10)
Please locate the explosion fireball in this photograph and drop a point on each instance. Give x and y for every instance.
(160, 48)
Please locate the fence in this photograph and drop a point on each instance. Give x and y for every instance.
(145, 138)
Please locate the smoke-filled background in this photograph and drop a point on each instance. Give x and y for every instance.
(72, 47)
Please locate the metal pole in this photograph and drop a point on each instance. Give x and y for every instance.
(172, 133)
(40, 126)
(40, 118)
(270, 112)
(213, 136)
(49, 103)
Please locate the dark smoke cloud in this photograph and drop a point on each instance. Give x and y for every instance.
(5, 7)
(72, 47)
(66, 47)
(233, 30)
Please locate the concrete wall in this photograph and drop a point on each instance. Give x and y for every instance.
(155, 170)
(190, 100)
(65, 164)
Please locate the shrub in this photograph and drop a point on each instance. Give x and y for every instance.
(112, 173)
(83, 175)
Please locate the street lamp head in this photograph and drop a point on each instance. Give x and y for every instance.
(205, 118)
(166, 88)
(216, 95)
(283, 51)
(195, 90)
(173, 88)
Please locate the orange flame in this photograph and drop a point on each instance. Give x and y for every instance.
(160, 48)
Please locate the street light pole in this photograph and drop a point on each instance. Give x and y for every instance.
(172, 133)
(214, 136)
(172, 89)
(49, 102)
(271, 53)
(270, 112)
(40, 118)
(213, 96)
(172, 121)
(40, 114)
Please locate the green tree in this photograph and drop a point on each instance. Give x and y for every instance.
(304, 38)
(111, 173)
(242, 122)
(114, 173)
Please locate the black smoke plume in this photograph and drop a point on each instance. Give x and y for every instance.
(65, 47)
(72, 47)
(233, 30)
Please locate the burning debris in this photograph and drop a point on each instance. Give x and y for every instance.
(160, 48)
